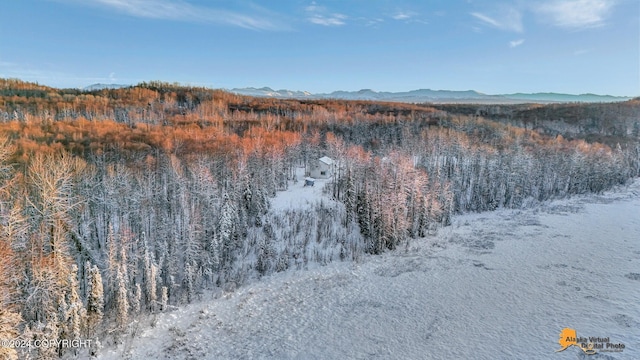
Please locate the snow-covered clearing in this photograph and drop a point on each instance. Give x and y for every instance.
(498, 285)
(299, 196)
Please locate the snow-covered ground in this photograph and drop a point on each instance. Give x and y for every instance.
(299, 196)
(498, 285)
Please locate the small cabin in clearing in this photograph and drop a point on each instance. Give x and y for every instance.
(322, 168)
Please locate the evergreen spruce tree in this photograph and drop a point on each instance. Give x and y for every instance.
(122, 301)
(188, 282)
(227, 233)
(350, 199)
(164, 300)
(95, 302)
(51, 331)
(363, 213)
(112, 267)
(136, 300)
(75, 312)
(152, 286)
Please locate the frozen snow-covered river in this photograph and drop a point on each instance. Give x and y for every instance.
(498, 285)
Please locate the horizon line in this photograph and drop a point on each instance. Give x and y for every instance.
(211, 87)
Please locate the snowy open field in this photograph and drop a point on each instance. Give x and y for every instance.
(498, 285)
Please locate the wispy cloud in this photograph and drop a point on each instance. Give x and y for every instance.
(509, 19)
(516, 43)
(319, 15)
(403, 15)
(180, 10)
(486, 19)
(314, 7)
(372, 22)
(332, 20)
(576, 14)
(408, 17)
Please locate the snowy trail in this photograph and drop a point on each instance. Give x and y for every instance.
(496, 285)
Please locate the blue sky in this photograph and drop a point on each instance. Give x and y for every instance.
(570, 46)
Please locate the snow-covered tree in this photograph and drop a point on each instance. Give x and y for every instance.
(350, 198)
(227, 231)
(75, 313)
(95, 301)
(150, 279)
(122, 300)
(164, 299)
(9, 316)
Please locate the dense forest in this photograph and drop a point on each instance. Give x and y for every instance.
(117, 203)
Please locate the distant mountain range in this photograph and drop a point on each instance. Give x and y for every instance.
(413, 96)
(428, 95)
(99, 86)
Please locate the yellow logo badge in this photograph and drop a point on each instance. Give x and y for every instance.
(593, 344)
(567, 338)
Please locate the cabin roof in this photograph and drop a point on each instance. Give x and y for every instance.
(327, 160)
